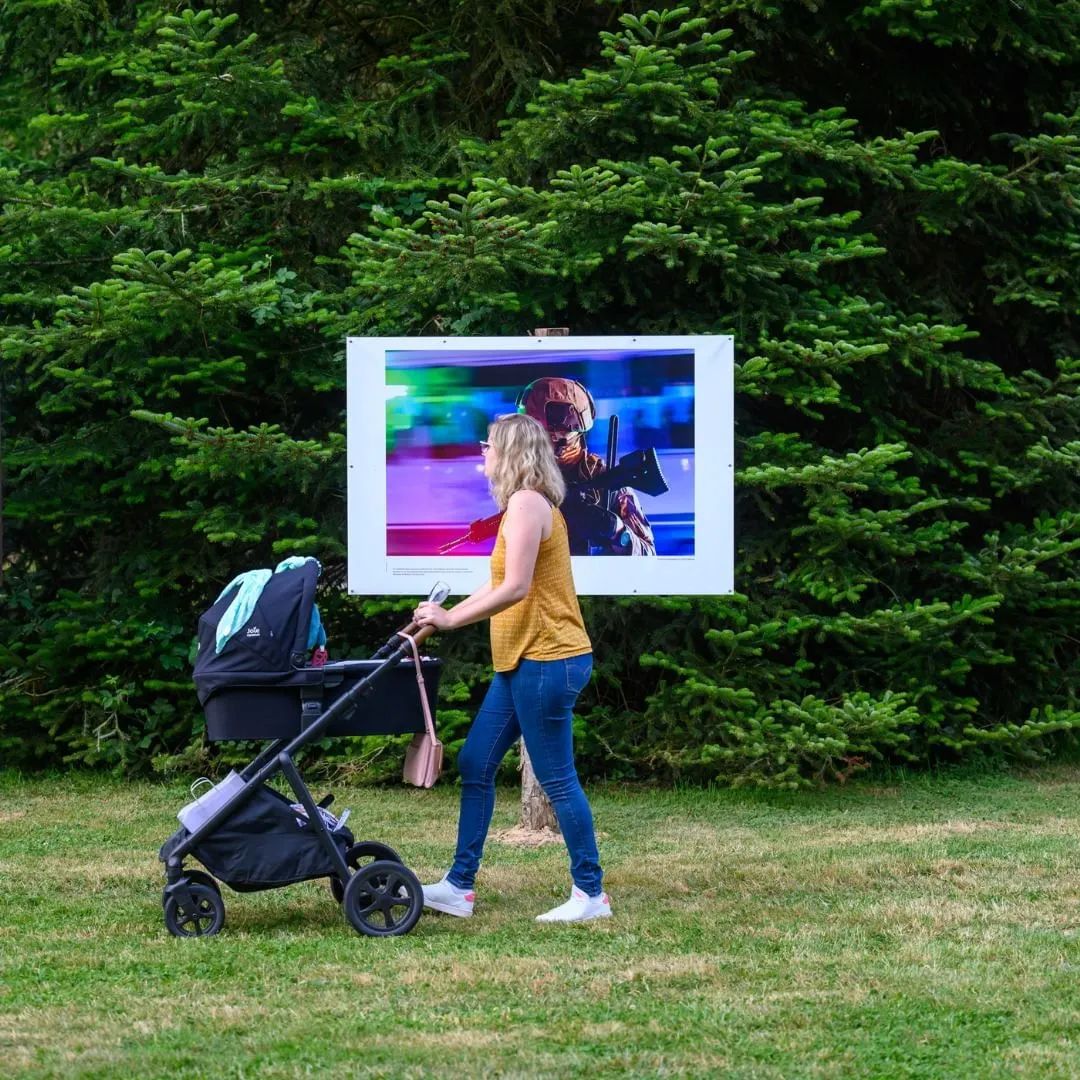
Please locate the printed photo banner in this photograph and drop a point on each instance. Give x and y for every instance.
(642, 427)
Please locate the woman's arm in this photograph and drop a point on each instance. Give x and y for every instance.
(466, 605)
(527, 515)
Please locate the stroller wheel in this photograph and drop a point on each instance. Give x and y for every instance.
(383, 899)
(356, 856)
(202, 918)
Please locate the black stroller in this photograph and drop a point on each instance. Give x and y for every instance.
(263, 686)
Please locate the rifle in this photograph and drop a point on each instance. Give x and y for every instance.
(640, 469)
(612, 457)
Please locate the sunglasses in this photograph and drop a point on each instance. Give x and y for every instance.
(485, 446)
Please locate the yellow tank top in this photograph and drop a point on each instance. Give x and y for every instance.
(547, 624)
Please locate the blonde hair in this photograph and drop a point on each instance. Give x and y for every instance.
(525, 460)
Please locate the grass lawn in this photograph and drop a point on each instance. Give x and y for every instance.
(928, 928)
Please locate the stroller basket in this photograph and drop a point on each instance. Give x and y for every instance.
(264, 843)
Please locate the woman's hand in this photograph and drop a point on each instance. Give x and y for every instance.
(428, 614)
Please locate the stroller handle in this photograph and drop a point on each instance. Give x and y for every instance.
(394, 642)
(439, 592)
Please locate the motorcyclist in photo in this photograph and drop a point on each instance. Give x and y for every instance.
(597, 523)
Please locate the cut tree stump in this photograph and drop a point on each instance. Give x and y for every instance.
(537, 813)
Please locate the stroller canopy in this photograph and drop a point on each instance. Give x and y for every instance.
(271, 647)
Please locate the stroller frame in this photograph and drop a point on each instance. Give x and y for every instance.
(380, 899)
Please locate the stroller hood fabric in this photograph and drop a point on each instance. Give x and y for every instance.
(245, 590)
(271, 647)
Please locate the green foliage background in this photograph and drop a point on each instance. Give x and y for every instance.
(879, 200)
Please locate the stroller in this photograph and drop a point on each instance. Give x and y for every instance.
(263, 686)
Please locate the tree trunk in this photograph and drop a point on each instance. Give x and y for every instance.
(536, 812)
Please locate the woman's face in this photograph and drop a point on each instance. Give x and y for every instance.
(490, 457)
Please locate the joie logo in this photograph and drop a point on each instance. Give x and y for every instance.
(253, 631)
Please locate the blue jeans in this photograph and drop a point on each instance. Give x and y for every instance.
(534, 701)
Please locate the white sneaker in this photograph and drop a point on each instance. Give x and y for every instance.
(449, 899)
(579, 908)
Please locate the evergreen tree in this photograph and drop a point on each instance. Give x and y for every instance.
(877, 200)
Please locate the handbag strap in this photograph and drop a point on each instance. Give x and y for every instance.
(428, 722)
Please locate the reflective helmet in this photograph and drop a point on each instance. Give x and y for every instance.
(561, 405)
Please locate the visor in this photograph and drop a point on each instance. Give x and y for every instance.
(562, 417)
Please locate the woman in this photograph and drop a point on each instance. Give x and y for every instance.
(542, 659)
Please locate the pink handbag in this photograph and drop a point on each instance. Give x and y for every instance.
(424, 756)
